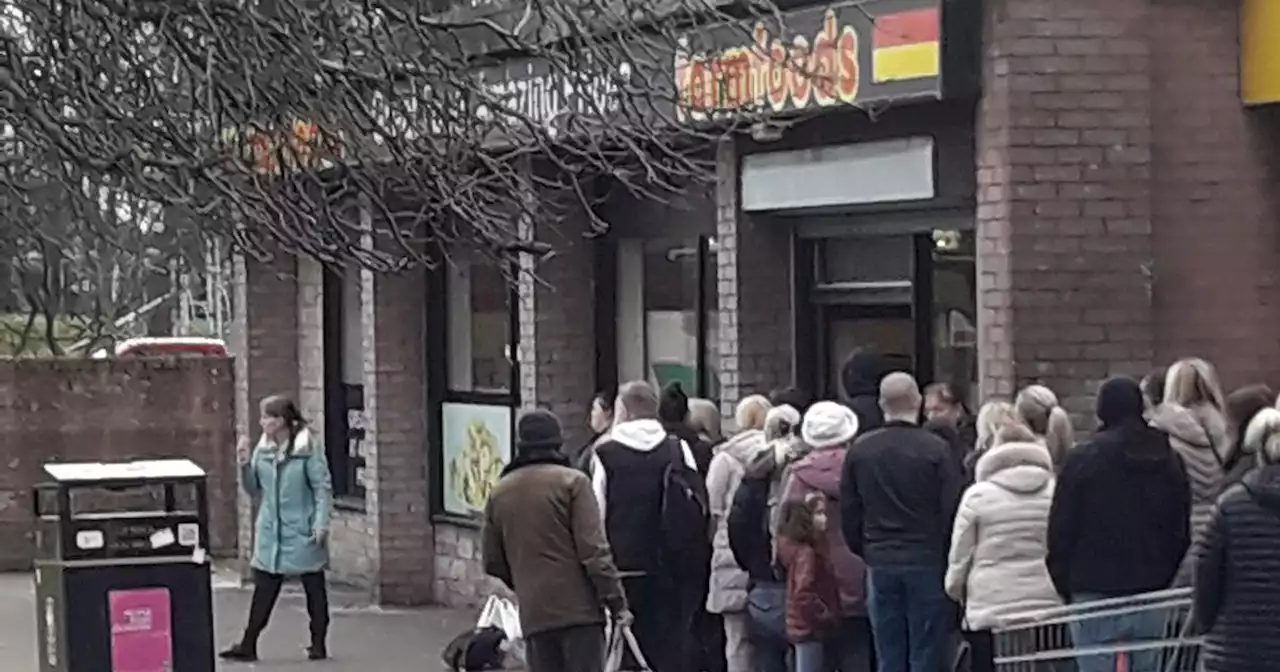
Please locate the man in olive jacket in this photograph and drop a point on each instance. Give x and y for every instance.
(543, 538)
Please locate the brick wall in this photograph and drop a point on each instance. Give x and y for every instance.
(396, 395)
(563, 319)
(754, 275)
(265, 345)
(113, 410)
(1127, 201)
(1215, 200)
(1065, 152)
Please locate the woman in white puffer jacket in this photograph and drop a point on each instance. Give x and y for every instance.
(999, 543)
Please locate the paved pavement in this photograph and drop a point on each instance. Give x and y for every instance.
(362, 638)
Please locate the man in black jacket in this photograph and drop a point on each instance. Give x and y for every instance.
(898, 496)
(1120, 522)
(628, 475)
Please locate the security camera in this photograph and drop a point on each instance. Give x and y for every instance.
(763, 131)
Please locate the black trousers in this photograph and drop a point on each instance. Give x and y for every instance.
(576, 649)
(658, 627)
(266, 590)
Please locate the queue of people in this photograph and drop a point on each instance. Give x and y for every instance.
(875, 533)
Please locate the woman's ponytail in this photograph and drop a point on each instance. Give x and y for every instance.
(1038, 407)
(1060, 437)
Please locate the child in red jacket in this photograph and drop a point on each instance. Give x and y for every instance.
(813, 594)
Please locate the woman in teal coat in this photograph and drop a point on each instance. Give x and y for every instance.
(288, 475)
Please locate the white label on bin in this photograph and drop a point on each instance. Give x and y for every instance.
(90, 540)
(50, 633)
(189, 534)
(162, 537)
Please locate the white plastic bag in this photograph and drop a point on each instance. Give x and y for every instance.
(622, 640)
(502, 614)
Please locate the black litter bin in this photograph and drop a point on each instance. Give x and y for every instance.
(122, 577)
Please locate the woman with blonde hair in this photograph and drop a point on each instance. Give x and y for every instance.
(727, 594)
(751, 535)
(704, 419)
(998, 549)
(1193, 416)
(1236, 593)
(991, 417)
(1038, 408)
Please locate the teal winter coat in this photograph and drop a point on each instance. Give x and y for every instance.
(295, 500)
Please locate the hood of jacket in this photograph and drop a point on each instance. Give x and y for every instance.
(1133, 446)
(1263, 484)
(821, 470)
(639, 434)
(302, 445)
(745, 446)
(1018, 467)
(860, 376)
(1199, 427)
(781, 452)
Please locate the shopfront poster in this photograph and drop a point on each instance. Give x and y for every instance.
(141, 630)
(477, 445)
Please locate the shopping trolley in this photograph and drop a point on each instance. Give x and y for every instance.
(1151, 632)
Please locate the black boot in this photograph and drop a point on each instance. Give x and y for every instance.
(241, 652)
(318, 611)
(318, 650)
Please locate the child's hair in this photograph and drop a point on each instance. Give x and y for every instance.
(796, 521)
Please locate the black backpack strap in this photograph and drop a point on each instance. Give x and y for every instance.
(676, 450)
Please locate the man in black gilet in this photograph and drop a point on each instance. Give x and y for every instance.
(628, 476)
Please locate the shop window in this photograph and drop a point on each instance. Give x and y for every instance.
(344, 431)
(480, 339)
(955, 310)
(668, 319)
(471, 391)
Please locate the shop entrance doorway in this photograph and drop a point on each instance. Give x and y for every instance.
(909, 297)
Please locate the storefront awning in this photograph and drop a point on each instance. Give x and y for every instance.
(1260, 52)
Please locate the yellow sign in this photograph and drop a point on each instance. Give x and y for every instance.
(1260, 52)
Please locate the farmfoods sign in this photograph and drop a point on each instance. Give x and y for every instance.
(813, 58)
(846, 53)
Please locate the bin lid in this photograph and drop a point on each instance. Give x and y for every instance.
(97, 472)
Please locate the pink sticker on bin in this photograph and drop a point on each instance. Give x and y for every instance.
(141, 630)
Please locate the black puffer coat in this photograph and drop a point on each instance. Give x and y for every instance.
(1237, 586)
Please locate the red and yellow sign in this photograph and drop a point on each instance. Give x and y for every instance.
(906, 46)
(771, 74)
(302, 146)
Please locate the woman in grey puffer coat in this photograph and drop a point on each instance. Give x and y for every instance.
(1192, 415)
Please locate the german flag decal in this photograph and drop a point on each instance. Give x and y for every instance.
(906, 46)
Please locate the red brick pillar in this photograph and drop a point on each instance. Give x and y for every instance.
(558, 325)
(395, 396)
(265, 346)
(1064, 154)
